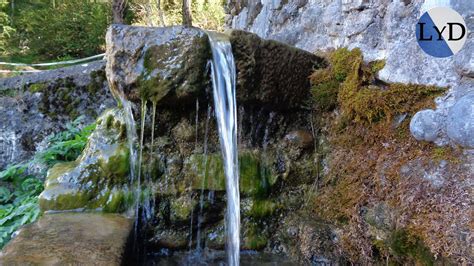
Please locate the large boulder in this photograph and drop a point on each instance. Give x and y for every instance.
(170, 64)
(154, 63)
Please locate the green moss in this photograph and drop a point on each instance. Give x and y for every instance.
(343, 62)
(98, 175)
(376, 66)
(350, 84)
(255, 179)
(325, 95)
(59, 197)
(405, 245)
(37, 87)
(119, 200)
(263, 208)
(253, 239)
(8, 92)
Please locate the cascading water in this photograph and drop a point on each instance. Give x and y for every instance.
(223, 75)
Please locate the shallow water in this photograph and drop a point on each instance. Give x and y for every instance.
(217, 258)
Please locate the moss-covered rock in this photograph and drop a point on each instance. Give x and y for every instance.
(208, 173)
(156, 63)
(98, 178)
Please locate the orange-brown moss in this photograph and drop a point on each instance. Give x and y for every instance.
(369, 149)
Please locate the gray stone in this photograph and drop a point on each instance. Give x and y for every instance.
(460, 122)
(381, 29)
(158, 64)
(37, 105)
(426, 125)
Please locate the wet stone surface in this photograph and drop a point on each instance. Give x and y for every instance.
(69, 239)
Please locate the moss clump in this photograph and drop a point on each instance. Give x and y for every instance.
(404, 245)
(37, 87)
(208, 173)
(263, 208)
(254, 239)
(352, 85)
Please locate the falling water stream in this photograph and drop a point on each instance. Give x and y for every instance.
(223, 76)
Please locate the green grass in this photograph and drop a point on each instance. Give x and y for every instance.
(19, 190)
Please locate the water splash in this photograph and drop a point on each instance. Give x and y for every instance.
(223, 75)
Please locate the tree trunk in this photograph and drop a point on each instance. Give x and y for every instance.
(160, 13)
(187, 18)
(118, 11)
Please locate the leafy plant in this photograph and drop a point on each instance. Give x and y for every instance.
(19, 190)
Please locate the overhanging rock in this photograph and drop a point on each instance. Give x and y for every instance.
(170, 65)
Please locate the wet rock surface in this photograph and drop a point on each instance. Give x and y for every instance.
(169, 66)
(36, 105)
(263, 68)
(157, 63)
(98, 178)
(70, 239)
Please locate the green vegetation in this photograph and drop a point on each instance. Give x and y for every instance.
(34, 31)
(405, 245)
(207, 14)
(51, 30)
(19, 189)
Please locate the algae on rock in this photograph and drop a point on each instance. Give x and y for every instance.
(98, 178)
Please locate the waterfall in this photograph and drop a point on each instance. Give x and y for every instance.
(223, 81)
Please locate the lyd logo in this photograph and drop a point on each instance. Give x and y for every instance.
(441, 32)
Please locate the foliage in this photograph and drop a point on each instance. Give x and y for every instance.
(19, 190)
(6, 30)
(67, 145)
(207, 14)
(63, 30)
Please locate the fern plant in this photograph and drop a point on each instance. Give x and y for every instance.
(19, 190)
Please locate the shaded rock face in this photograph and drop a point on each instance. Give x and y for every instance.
(37, 105)
(271, 73)
(70, 239)
(381, 29)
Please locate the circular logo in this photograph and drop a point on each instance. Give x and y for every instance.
(441, 32)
